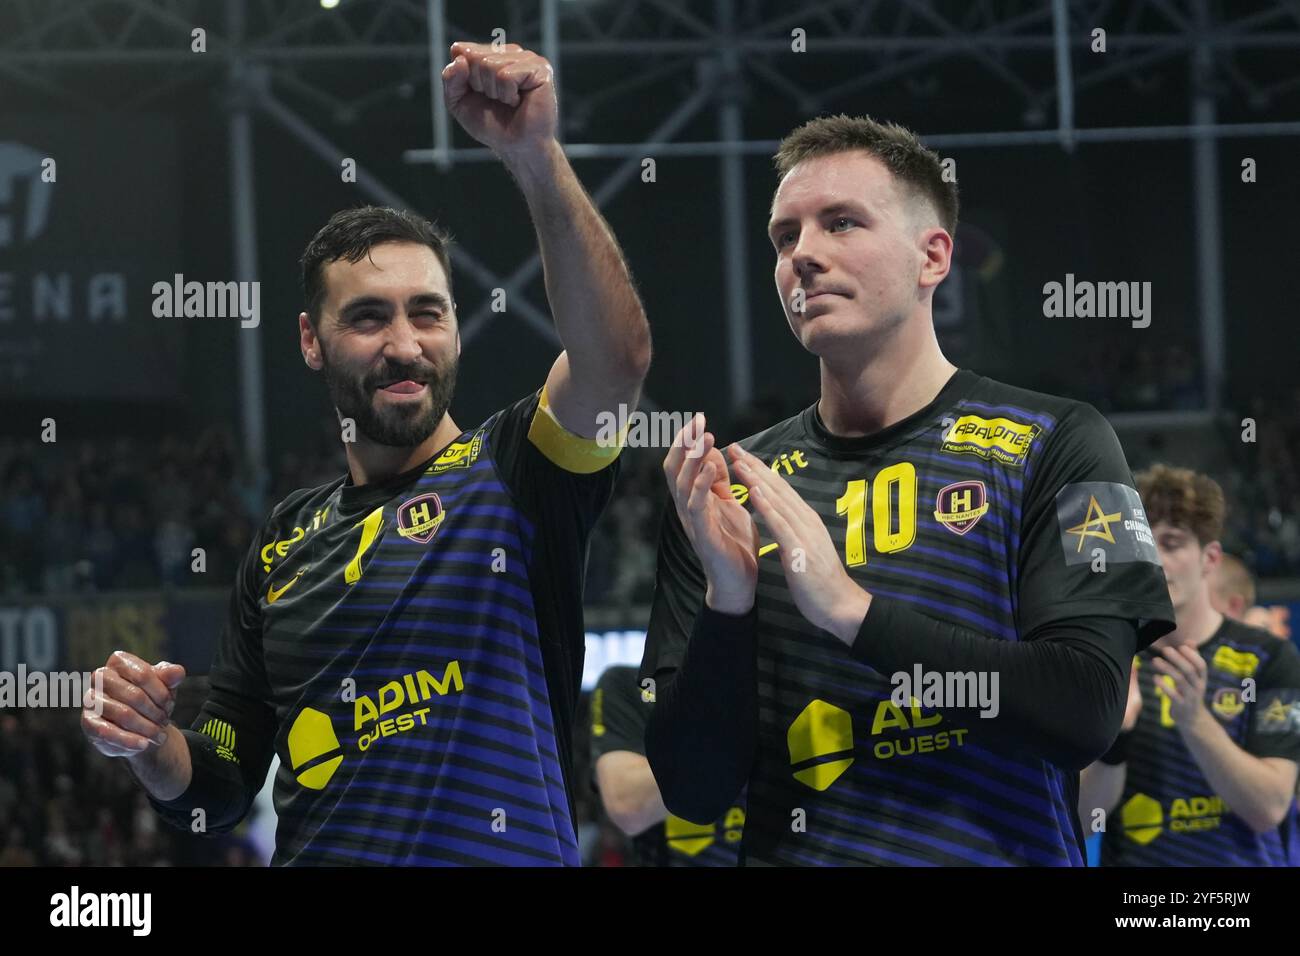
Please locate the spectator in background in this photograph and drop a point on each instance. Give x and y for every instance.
(22, 517)
(63, 543)
(1232, 593)
(101, 546)
(136, 566)
(174, 543)
(1232, 589)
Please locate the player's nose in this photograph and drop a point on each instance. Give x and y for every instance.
(805, 258)
(402, 344)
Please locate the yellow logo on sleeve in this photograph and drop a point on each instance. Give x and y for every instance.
(1096, 523)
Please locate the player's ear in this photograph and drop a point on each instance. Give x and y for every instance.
(936, 252)
(309, 342)
(1211, 557)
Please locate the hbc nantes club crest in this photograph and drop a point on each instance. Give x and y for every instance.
(961, 505)
(419, 518)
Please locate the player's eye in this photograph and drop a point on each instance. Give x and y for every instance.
(835, 223)
(783, 239)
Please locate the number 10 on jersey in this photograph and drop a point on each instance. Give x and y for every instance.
(893, 512)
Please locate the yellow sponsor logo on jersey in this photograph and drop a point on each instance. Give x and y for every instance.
(822, 733)
(692, 839)
(1235, 662)
(891, 717)
(460, 454)
(997, 439)
(314, 751)
(414, 688)
(279, 548)
(686, 837)
(785, 462)
(1144, 819)
(274, 594)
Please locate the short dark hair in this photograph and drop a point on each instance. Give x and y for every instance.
(1183, 498)
(352, 233)
(917, 169)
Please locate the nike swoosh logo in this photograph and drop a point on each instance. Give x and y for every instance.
(272, 595)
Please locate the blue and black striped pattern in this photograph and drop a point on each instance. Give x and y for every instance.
(902, 786)
(430, 671)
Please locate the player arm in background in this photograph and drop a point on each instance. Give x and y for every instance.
(629, 791)
(1062, 686)
(1257, 782)
(506, 99)
(1101, 783)
(229, 745)
(627, 787)
(701, 645)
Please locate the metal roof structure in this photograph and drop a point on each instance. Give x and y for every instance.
(1027, 73)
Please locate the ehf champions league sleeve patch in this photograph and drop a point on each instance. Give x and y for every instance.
(1105, 515)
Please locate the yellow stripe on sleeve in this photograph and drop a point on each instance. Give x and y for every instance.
(573, 453)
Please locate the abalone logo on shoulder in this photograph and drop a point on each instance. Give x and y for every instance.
(420, 517)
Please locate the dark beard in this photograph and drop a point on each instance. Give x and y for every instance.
(399, 426)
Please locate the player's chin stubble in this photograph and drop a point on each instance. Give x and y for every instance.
(397, 425)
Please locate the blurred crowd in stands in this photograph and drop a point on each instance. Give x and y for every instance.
(62, 804)
(1166, 378)
(1262, 493)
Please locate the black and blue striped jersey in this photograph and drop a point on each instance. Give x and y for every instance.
(1169, 813)
(993, 509)
(412, 652)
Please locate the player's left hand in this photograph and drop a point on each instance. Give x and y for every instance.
(822, 589)
(1185, 669)
(504, 98)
